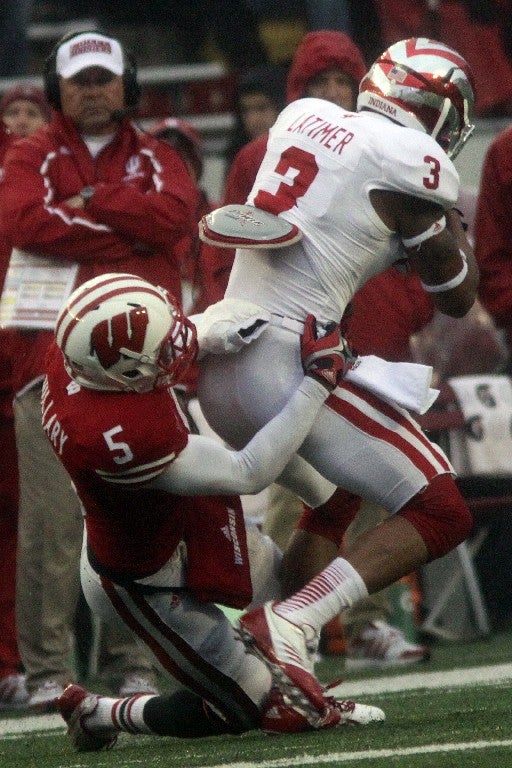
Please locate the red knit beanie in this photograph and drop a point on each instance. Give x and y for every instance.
(26, 92)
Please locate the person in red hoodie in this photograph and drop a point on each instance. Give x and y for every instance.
(23, 109)
(385, 313)
(89, 190)
(493, 236)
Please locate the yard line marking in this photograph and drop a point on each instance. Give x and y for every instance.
(450, 678)
(14, 726)
(335, 758)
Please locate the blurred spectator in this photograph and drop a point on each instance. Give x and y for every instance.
(493, 236)
(23, 109)
(91, 190)
(469, 27)
(259, 98)
(15, 16)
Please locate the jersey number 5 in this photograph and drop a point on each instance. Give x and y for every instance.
(299, 168)
(113, 445)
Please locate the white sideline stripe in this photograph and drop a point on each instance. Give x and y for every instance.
(454, 678)
(335, 758)
(20, 725)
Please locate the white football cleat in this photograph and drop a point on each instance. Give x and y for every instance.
(44, 698)
(13, 692)
(353, 713)
(281, 716)
(380, 645)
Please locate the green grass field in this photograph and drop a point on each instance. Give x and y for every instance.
(466, 723)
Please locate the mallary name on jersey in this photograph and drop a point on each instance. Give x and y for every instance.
(51, 424)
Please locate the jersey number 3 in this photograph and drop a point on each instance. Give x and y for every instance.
(299, 170)
(432, 180)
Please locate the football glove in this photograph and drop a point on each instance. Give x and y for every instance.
(326, 358)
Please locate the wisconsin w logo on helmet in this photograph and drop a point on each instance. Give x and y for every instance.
(125, 331)
(118, 332)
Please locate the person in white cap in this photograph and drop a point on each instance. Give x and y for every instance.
(93, 190)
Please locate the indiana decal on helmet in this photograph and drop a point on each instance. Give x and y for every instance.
(423, 84)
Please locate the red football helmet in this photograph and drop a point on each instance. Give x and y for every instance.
(423, 84)
(119, 333)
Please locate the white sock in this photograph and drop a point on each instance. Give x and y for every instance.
(122, 714)
(336, 587)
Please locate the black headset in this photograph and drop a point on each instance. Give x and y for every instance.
(132, 89)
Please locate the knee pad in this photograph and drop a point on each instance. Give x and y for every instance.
(440, 515)
(331, 519)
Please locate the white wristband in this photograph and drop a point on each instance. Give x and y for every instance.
(436, 228)
(453, 283)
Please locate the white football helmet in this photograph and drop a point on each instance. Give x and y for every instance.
(423, 84)
(119, 333)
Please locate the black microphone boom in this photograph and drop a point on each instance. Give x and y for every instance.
(119, 114)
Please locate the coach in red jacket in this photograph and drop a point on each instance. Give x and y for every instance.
(92, 189)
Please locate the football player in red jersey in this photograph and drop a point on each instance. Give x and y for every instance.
(165, 536)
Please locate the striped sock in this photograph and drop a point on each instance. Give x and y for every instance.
(337, 587)
(123, 714)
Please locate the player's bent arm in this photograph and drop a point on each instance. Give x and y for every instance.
(205, 466)
(447, 267)
(437, 246)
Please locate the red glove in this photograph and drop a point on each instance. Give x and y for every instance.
(327, 358)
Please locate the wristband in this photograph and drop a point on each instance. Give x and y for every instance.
(453, 283)
(417, 240)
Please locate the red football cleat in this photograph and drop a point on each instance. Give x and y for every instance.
(282, 645)
(75, 705)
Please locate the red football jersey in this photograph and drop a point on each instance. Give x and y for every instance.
(111, 444)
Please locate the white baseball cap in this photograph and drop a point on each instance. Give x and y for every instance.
(89, 50)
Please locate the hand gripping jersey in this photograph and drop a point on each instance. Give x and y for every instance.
(320, 166)
(113, 443)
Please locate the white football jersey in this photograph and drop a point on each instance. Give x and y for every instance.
(320, 166)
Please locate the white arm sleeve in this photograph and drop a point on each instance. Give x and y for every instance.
(205, 466)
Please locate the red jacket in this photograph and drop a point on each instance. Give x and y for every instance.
(493, 232)
(8, 336)
(145, 202)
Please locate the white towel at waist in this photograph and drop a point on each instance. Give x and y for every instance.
(484, 447)
(404, 384)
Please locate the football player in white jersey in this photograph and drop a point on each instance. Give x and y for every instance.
(365, 189)
(165, 537)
